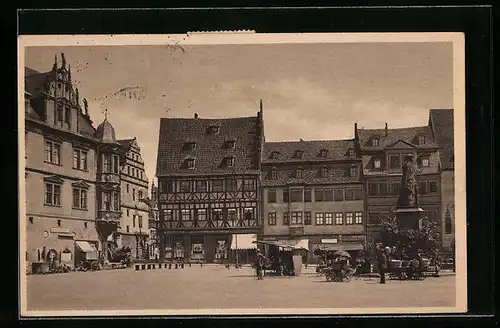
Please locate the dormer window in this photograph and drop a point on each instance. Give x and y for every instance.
(274, 174)
(421, 140)
(298, 173)
(377, 163)
(215, 129)
(323, 153)
(190, 162)
(275, 155)
(229, 161)
(375, 142)
(350, 152)
(190, 146)
(324, 172)
(298, 154)
(425, 161)
(353, 171)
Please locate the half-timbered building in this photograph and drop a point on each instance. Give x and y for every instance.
(383, 152)
(313, 195)
(208, 178)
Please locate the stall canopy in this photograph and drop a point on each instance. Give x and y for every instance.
(89, 250)
(340, 247)
(300, 243)
(243, 241)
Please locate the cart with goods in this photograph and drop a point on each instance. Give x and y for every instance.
(339, 270)
(283, 259)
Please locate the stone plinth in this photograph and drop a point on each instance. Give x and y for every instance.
(409, 218)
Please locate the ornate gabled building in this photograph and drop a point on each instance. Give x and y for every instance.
(313, 195)
(441, 124)
(60, 171)
(382, 152)
(208, 178)
(134, 225)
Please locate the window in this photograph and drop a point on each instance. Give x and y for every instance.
(201, 215)
(59, 223)
(382, 188)
(339, 218)
(433, 186)
(214, 129)
(447, 223)
(190, 146)
(79, 159)
(249, 184)
(128, 212)
(67, 115)
(323, 195)
(286, 196)
(298, 173)
(286, 218)
(323, 153)
(201, 186)
(353, 172)
(133, 194)
(217, 185)
(296, 195)
(372, 189)
(271, 196)
(106, 165)
(324, 172)
(307, 218)
(185, 186)
(329, 218)
(133, 221)
(421, 140)
(319, 219)
(229, 161)
(140, 194)
(422, 187)
(425, 161)
(116, 201)
(375, 142)
(275, 155)
(358, 218)
(167, 215)
(274, 174)
(231, 214)
(230, 144)
(349, 218)
(31, 219)
(52, 152)
(59, 113)
(298, 154)
(185, 215)
(190, 163)
(128, 229)
(394, 161)
(349, 194)
(127, 188)
(377, 163)
(350, 152)
(296, 218)
(141, 174)
(52, 194)
(271, 218)
(394, 188)
(128, 170)
(85, 225)
(140, 221)
(358, 194)
(116, 164)
(79, 198)
(339, 195)
(217, 214)
(307, 195)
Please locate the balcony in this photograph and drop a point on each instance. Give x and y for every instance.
(108, 216)
(109, 178)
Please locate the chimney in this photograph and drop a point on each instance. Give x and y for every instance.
(356, 131)
(195, 115)
(386, 130)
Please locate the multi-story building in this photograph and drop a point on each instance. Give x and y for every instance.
(383, 152)
(313, 194)
(208, 178)
(441, 123)
(60, 169)
(134, 224)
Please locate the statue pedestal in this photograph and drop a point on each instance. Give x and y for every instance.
(409, 218)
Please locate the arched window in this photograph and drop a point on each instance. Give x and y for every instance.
(324, 172)
(298, 173)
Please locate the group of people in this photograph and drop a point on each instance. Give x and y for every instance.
(385, 256)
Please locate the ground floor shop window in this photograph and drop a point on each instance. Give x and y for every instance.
(221, 250)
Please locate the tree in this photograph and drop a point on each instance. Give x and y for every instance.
(409, 241)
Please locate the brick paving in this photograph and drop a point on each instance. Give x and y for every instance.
(214, 286)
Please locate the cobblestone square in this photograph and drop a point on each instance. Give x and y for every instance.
(216, 287)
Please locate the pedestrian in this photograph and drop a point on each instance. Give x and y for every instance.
(382, 265)
(259, 264)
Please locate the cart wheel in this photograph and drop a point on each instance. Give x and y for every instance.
(348, 278)
(328, 278)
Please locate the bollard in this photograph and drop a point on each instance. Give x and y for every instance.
(149, 266)
(176, 265)
(189, 264)
(143, 267)
(182, 265)
(154, 266)
(136, 267)
(170, 265)
(201, 264)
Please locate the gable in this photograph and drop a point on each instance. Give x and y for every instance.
(401, 144)
(53, 179)
(80, 184)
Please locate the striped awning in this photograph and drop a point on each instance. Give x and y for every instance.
(243, 241)
(85, 247)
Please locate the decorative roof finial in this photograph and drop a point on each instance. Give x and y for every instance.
(55, 63)
(86, 106)
(69, 72)
(77, 97)
(106, 114)
(261, 105)
(63, 60)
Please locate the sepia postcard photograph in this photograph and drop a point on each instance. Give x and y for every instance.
(240, 173)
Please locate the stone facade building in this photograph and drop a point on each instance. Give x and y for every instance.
(313, 194)
(208, 177)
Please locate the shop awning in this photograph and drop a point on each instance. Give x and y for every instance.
(297, 243)
(243, 241)
(86, 247)
(282, 245)
(340, 247)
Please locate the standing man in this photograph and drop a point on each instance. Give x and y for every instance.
(382, 265)
(259, 264)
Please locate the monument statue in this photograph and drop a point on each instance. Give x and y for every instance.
(408, 196)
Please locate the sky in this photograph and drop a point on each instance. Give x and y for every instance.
(309, 91)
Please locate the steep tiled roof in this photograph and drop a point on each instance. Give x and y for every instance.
(408, 135)
(125, 143)
(441, 121)
(311, 151)
(29, 71)
(432, 168)
(34, 83)
(310, 176)
(210, 147)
